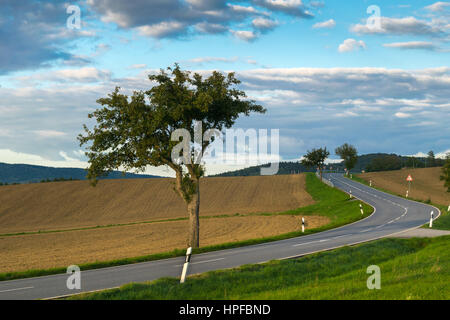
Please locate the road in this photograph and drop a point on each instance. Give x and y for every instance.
(392, 215)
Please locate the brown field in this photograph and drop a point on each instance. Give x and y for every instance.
(50, 250)
(65, 205)
(426, 184)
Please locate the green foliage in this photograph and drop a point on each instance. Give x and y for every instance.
(316, 158)
(410, 269)
(349, 154)
(431, 159)
(446, 173)
(132, 133)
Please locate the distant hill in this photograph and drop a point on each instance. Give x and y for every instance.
(24, 173)
(367, 162)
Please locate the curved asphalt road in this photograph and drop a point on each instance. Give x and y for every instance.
(392, 215)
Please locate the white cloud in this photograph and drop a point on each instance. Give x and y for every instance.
(402, 115)
(399, 26)
(264, 24)
(202, 60)
(351, 45)
(438, 6)
(245, 35)
(329, 24)
(86, 74)
(138, 66)
(49, 133)
(412, 45)
(163, 29)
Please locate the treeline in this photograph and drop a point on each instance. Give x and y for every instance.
(395, 162)
(369, 162)
(42, 181)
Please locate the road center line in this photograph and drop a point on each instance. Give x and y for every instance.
(302, 244)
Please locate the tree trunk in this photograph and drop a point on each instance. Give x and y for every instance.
(193, 208)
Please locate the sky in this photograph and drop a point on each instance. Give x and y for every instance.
(374, 74)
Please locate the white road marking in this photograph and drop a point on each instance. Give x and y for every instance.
(16, 289)
(302, 244)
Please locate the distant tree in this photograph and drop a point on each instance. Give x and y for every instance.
(446, 173)
(135, 132)
(316, 158)
(349, 154)
(431, 159)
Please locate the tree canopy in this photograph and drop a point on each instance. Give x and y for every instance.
(349, 154)
(133, 132)
(316, 158)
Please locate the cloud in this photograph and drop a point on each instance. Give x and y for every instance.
(438, 6)
(138, 66)
(202, 60)
(86, 75)
(165, 29)
(179, 18)
(34, 35)
(351, 45)
(49, 133)
(421, 45)
(290, 7)
(402, 115)
(210, 28)
(400, 26)
(329, 24)
(320, 106)
(245, 35)
(264, 25)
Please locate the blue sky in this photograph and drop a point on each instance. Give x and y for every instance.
(325, 74)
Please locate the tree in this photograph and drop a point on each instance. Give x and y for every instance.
(349, 154)
(316, 158)
(135, 132)
(446, 173)
(431, 159)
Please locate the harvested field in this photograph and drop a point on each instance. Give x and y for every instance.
(426, 184)
(43, 251)
(65, 205)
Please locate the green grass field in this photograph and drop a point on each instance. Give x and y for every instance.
(330, 202)
(410, 269)
(442, 223)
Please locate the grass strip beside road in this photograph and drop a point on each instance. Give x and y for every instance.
(442, 223)
(410, 269)
(330, 202)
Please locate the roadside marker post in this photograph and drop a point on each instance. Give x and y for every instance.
(431, 219)
(351, 196)
(186, 264)
(409, 179)
(448, 208)
(303, 224)
(370, 182)
(361, 208)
